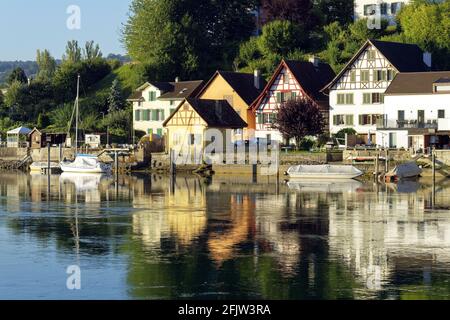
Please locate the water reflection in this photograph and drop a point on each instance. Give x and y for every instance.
(155, 237)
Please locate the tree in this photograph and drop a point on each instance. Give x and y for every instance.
(46, 64)
(115, 99)
(298, 119)
(340, 11)
(119, 123)
(91, 51)
(73, 52)
(299, 12)
(427, 24)
(186, 38)
(17, 75)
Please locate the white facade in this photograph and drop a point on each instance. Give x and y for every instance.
(427, 112)
(356, 98)
(384, 9)
(149, 113)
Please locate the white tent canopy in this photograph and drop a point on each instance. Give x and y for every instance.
(20, 131)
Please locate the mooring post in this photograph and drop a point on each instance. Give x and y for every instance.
(377, 166)
(433, 166)
(48, 158)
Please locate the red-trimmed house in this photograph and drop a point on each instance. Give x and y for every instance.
(291, 80)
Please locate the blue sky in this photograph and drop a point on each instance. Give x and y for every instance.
(28, 25)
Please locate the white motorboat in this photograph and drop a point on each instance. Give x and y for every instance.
(85, 163)
(38, 166)
(405, 170)
(329, 172)
(322, 186)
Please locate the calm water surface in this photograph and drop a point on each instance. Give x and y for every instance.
(226, 238)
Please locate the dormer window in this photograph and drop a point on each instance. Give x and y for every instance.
(152, 96)
(442, 86)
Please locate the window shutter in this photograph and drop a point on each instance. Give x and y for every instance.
(361, 120)
(260, 118)
(294, 95)
(349, 120)
(137, 115)
(279, 97)
(335, 120)
(162, 114)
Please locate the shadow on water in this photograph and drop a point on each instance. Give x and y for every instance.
(153, 237)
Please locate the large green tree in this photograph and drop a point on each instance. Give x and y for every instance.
(46, 64)
(18, 74)
(427, 24)
(116, 100)
(73, 52)
(186, 38)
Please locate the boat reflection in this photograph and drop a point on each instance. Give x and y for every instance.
(325, 186)
(83, 182)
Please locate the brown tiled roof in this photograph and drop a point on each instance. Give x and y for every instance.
(181, 90)
(242, 83)
(216, 113)
(416, 82)
(172, 90)
(310, 78)
(403, 57)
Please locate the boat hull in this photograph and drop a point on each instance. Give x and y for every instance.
(324, 172)
(68, 168)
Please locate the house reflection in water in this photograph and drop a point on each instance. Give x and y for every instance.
(162, 214)
(382, 235)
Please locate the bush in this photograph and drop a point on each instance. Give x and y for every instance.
(348, 131)
(306, 144)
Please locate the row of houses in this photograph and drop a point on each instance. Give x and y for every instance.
(386, 93)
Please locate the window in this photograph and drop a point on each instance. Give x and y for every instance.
(365, 76)
(290, 96)
(379, 75)
(260, 118)
(349, 98)
(401, 115)
(137, 115)
(286, 78)
(441, 114)
(349, 119)
(340, 98)
(371, 119)
(371, 55)
(395, 7)
(377, 98)
(152, 96)
(390, 75)
(343, 119)
(281, 97)
(383, 8)
(353, 76)
(146, 115)
(172, 102)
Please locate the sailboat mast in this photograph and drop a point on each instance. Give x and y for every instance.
(76, 116)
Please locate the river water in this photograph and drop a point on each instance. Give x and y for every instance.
(150, 237)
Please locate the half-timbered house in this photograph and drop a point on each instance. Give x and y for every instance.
(291, 80)
(356, 94)
(240, 90)
(187, 125)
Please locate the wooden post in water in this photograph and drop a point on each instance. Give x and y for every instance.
(433, 169)
(48, 158)
(377, 166)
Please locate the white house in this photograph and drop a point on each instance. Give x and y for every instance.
(154, 102)
(417, 107)
(357, 93)
(384, 9)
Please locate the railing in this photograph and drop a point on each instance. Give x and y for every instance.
(410, 124)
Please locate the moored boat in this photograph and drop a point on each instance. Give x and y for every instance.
(324, 172)
(405, 170)
(85, 163)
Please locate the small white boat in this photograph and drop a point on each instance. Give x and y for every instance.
(85, 163)
(38, 166)
(324, 172)
(405, 170)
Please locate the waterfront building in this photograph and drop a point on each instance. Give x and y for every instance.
(240, 90)
(153, 102)
(417, 108)
(386, 9)
(291, 80)
(356, 94)
(187, 125)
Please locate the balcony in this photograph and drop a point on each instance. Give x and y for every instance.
(412, 124)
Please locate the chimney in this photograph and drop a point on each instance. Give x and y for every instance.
(257, 79)
(177, 79)
(315, 61)
(427, 59)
